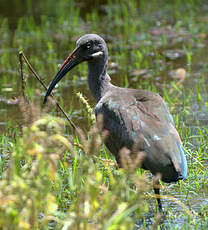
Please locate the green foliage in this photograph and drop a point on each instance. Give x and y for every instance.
(90, 112)
(46, 168)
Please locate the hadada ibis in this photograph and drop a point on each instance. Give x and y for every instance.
(129, 115)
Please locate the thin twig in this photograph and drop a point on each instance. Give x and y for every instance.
(45, 87)
(22, 75)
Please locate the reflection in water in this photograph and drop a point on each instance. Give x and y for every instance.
(15, 9)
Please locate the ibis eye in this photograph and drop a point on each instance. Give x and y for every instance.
(88, 46)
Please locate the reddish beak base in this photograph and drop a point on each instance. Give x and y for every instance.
(68, 59)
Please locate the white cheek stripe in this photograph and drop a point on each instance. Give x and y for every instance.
(97, 54)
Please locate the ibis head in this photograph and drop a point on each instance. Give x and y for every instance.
(90, 48)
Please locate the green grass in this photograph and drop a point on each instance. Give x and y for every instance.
(53, 186)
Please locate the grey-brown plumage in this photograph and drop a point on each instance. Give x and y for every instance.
(130, 115)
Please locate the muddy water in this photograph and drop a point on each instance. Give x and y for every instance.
(9, 109)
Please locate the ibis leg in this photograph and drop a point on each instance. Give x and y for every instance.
(157, 193)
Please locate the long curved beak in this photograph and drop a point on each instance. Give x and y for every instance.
(72, 60)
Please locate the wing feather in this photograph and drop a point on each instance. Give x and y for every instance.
(141, 116)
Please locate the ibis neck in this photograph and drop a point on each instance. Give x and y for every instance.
(98, 79)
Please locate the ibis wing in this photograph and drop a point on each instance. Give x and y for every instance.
(143, 117)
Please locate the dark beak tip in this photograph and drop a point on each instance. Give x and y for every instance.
(45, 100)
